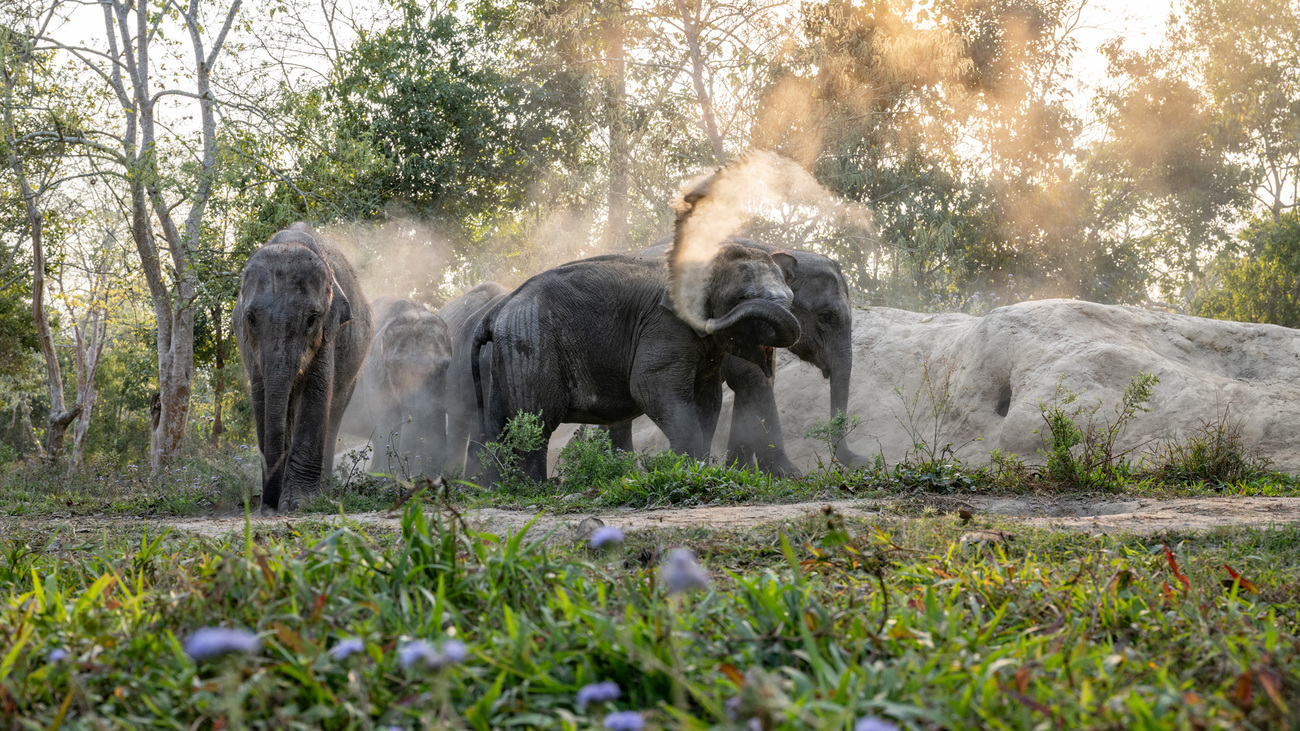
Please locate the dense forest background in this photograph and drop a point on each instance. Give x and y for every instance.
(148, 147)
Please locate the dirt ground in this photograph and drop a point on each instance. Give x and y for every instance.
(1126, 515)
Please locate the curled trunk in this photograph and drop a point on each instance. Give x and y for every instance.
(784, 324)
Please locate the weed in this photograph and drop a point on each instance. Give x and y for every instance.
(522, 436)
(834, 431)
(1213, 454)
(1084, 455)
(589, 460)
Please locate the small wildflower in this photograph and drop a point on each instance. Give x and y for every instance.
(597, 693)
(56, 655)
(347, 647)
(624, 721)
(681, 573)
(871, 723)
(210, 642)
(605, 535)
(420, 652)
(417, 651)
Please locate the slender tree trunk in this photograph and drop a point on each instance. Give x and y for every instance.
(218, 378)
(90, 345)
(691, 27)
(29, 431)
(60, 416)
(616, 113)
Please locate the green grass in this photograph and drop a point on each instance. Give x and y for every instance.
(812, 626)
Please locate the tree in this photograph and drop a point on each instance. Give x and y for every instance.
(1262, 286)
(127, 66)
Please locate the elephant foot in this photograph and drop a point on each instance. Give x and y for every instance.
(266, 511)
(851, 460)
(784, 468)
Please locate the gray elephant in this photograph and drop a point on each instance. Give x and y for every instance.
(825, 314)
(303, 327)
(464, 426)
(400, 401)
(604, 340)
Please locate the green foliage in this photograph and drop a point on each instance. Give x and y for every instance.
(1095, 462)
(816, 626)
(672, 479)
(832, 432)
(590, 460)
(1214, 454)
(522, 435)
(1261, 286)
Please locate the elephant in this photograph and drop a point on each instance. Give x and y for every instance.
(825, 314)
(401, 389)
(606, 339)
(303, 327)
(464, 427)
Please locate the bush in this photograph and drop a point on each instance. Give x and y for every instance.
(589, 460)
(1214, 455)
(522, 435)
(1095, 461)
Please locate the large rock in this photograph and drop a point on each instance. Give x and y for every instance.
(988, 374)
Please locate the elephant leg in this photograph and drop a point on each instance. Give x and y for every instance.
(675, 415)
(620, 435)
(755, 425)
(313, 424)
(708, 404)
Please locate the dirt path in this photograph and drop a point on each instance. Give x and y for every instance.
(1099, 516)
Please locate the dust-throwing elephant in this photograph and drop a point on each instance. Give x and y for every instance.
(825, 314)
(400, 401)
(604, 340)
(303, 327)
(464, 426)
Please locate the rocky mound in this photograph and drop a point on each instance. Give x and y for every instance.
(984, 377)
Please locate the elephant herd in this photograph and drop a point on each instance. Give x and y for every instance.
(595, 341)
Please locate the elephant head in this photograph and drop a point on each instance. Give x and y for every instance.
(414, 351)
(290, 306)
(735, 293)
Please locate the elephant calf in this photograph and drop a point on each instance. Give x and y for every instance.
(464, 426)
(303, 328)
(401, 389)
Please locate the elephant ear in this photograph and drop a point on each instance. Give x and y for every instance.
(788, 264)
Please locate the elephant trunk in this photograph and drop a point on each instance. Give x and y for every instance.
(841, 367)
(275, 449)
(778, 316)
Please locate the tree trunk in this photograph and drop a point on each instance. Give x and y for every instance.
(691, 27)
(218, 379)
(90, 345)
(29, 431)
(616, 114)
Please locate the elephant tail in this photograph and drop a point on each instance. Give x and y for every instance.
(482, 336)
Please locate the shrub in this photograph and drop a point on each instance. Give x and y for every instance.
(1096, 461)
(589, 459)
(1214, 454)
(522, 435)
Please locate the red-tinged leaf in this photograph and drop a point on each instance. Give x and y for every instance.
(267, 574)
(733, 674)
(316, 610)
(1272, 682)
(1026, 701)
(1245, 690)
(1246, 584)
(1191, 698)
(1187, 583)
(1169, 593)
(219, 724)
(1022, 680)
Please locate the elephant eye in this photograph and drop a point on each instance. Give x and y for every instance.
(252, 318)
(828, 317)
(312, 318)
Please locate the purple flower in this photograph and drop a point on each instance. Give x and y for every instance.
(624, 721)
(56, 654)
(871, 723)
(420, 652)
(454, 652)
(681, 573)
(597, 693)
(348, 647)
(605, 535)
(211, 642)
